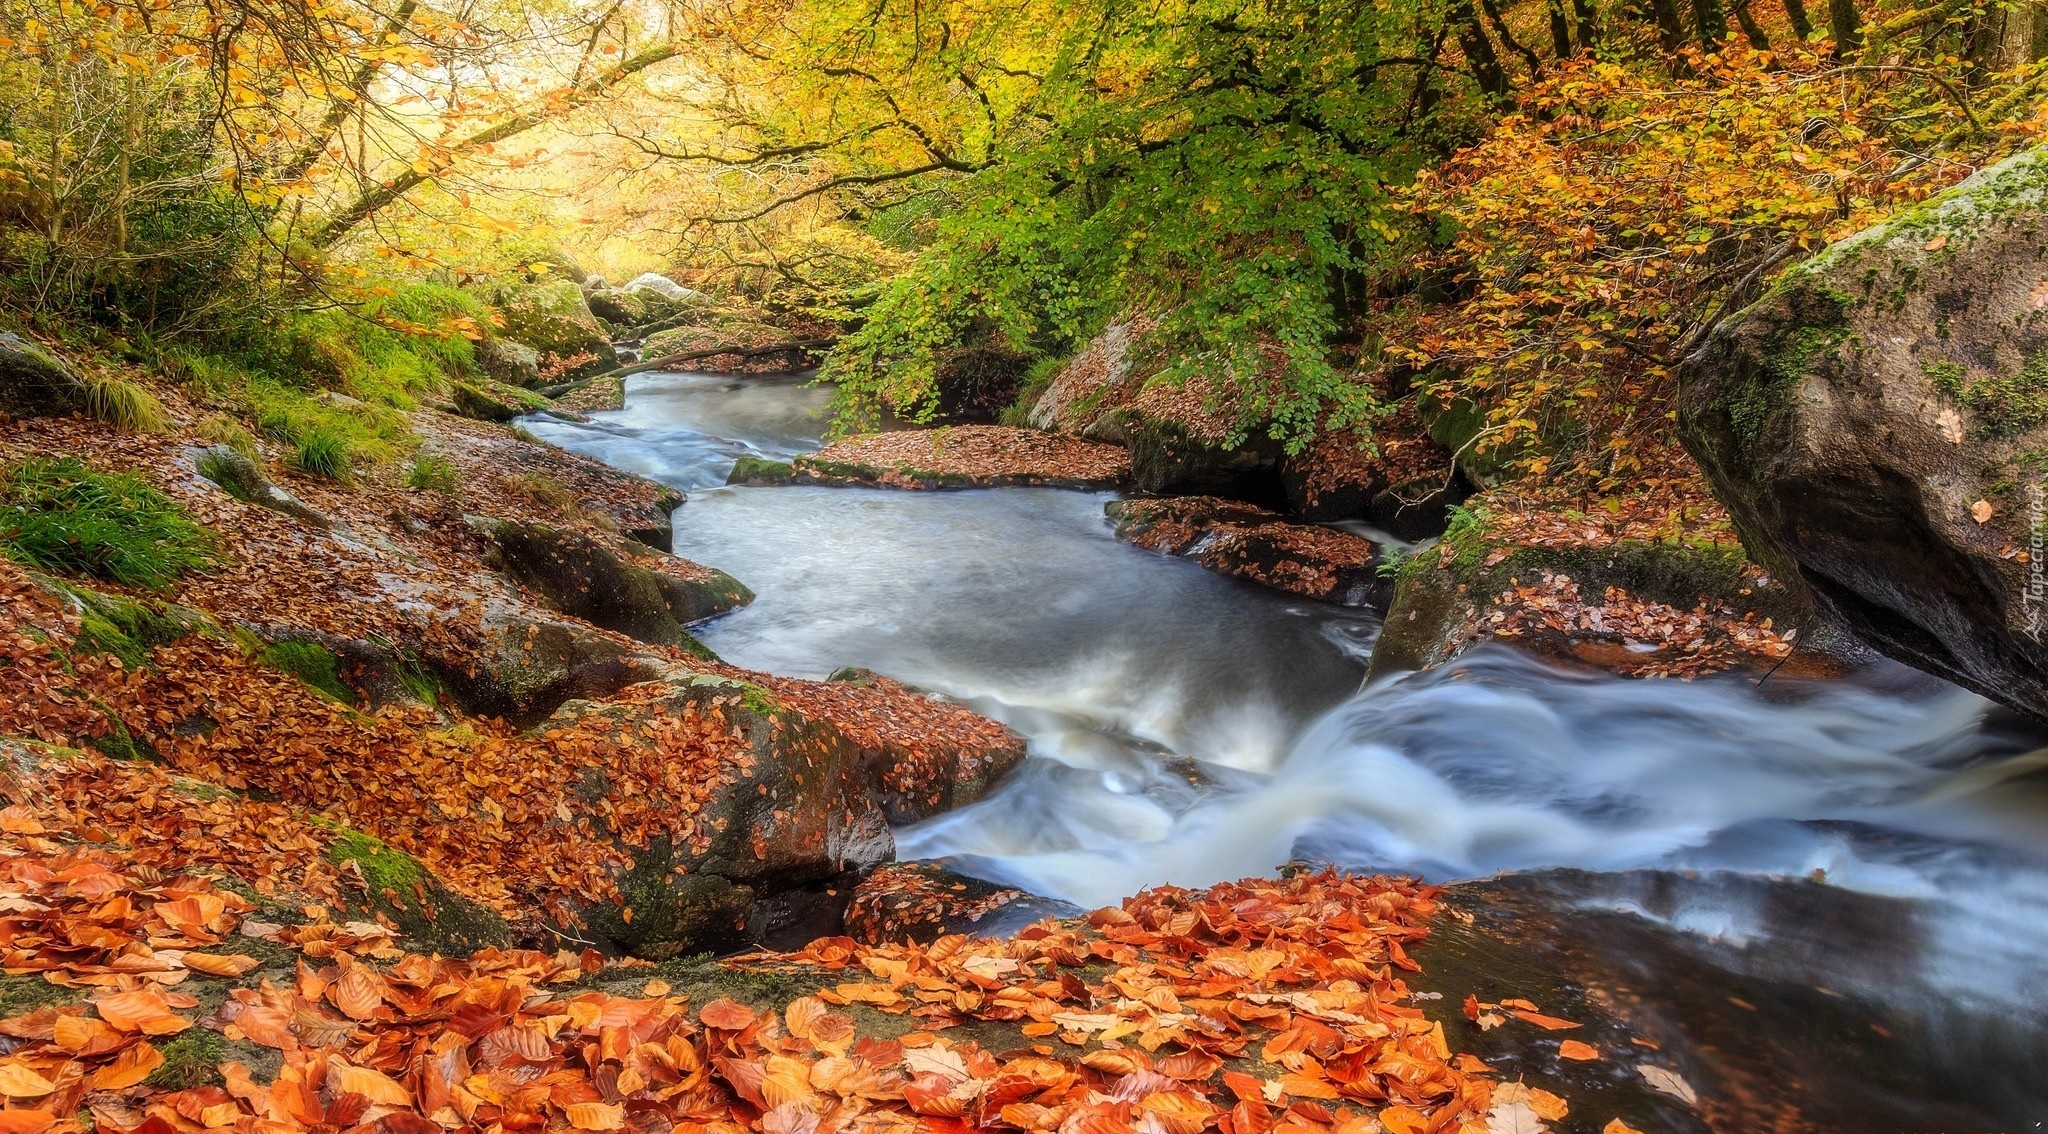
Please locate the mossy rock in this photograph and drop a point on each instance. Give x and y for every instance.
(129, 629)
(555, 320)
(34, 383)
(312, 663)
(1432, 603)
(1877, 426)
(577, 575)
(493, 401)
(429, 914)
(759, 470)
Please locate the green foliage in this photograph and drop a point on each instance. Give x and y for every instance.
(226, 431)
(1036, 380)
(125, 406)
(191, 1060)
(431, 473)
(59, 515)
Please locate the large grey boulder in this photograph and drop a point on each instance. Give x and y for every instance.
(651, 600)
(514, 364)
(1878, 427)
(33, 382)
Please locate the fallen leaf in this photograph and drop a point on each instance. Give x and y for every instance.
(1669, 1082)
(1981, 511)
(1573, 1049)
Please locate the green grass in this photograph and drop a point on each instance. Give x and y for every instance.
(434, 474)
(324, 452)
(224, 430)
(59, 515)
(125, 406)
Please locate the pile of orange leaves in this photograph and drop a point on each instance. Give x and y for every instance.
(1295, 979)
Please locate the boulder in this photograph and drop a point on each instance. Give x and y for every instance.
(493, 401)
(1875, 425)
(1255, 545)
(513, 364)
(243, 479)
(528, 667)
(661, 285)
(650, 596)
(33, 382)
(1629, 607)
(556, 322)
(794, 816)
(924, 901)
(624, 310)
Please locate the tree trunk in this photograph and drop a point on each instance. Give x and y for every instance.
(1710, 23)
(1486, 67)
(2009, 34)
(1847, 25)
(1802, 24)
(1588, 22)
(1670, 28)
(1751, 30)
(1560, 31)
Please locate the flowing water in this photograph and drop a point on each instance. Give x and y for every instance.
(1189, 728)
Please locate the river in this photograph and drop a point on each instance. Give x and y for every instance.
(1883, 840)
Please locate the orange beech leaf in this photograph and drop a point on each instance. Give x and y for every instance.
(596, 1116)
(1573, 1049)
(19, 1082)
(1551, 1023)
(25, 1121)
(214, 964)
(143, 1010)
(727, 1014)
(129, 1068)
(375, 1086)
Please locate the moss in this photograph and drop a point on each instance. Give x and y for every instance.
(759, 470)
(127, 628)
(311, 663)
(1819, 325)
(401, 888)
(2005, 405)
(21, 993)
(192, 1059)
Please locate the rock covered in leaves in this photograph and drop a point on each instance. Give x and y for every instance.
(1876, 426)
(1658, 587)
(508, 362)
(965, 456)
(1255, 545)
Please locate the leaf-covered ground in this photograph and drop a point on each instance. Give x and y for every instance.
(1246, 1008)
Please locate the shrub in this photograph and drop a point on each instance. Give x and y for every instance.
(125, 405)
(59, 515)
(323, 452)
(433, 474)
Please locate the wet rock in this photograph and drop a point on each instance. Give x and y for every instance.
(1876, 424)
(556, 322)
(924, 901)
(759, 470)
(33, 382)
(1256, 545)
(243, 479)
(508, 362)
(651, 596)
(624, 310)
(658, 284)
(527, 667)
(789, 823)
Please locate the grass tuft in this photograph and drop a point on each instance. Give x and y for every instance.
(221, 429)
(59, 515)
(434, 474)
(323, 452)
(125, 406)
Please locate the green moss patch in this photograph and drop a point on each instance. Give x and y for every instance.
(311, 663)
